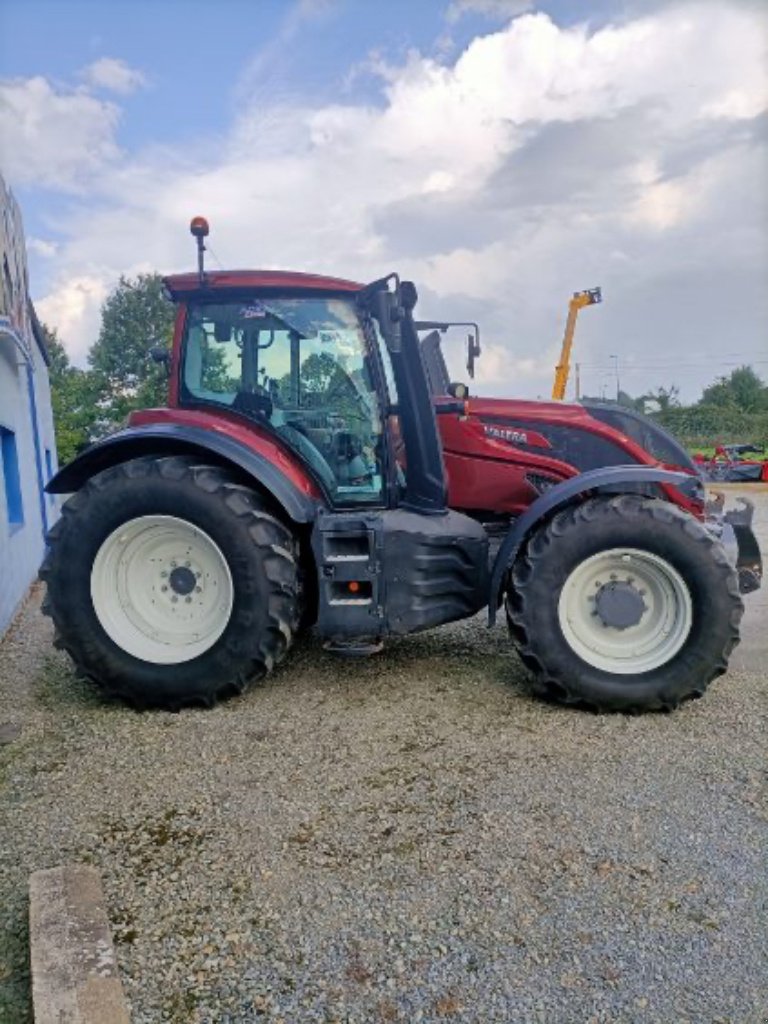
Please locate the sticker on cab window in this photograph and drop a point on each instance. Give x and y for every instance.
(256, 309)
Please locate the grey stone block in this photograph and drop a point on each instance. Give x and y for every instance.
(74, 971)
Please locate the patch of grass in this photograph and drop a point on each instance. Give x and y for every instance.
(15, 982)
(180, 1006)
(58, 686)
(145, 841)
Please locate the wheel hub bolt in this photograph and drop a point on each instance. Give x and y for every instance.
(188, 599)
(163, 574)
(163, 588)
(174, 599)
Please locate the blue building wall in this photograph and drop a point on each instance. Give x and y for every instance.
(27, 442)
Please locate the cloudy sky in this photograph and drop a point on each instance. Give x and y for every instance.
(502, 153)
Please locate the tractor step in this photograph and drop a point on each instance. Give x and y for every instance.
(354, 649)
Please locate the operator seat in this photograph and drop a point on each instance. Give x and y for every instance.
(259, 406)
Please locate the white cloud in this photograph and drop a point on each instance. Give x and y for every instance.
(115, 75)
(59, 140)
(42, 247)
(541, 161)
(73, 308)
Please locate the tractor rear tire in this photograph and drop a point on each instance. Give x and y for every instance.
(623, 604)
(170, 584)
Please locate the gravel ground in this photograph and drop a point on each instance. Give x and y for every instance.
(408, 838)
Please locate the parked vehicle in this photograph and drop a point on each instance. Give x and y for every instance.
(297, 477)
(731, 464)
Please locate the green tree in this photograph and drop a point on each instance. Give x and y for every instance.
(135, 317)
(629, 402)
(664, 398)
(215, 374)
(743, 389)
(317, 373)
(74, 400)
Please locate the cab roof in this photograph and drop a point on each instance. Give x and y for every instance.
(181, 286)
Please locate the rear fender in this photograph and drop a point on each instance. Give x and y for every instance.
(558, 496)
(180, 439)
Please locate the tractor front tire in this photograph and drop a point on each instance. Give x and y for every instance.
(170, 584)
(623, 604)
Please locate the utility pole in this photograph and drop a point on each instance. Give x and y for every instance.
(616, 368)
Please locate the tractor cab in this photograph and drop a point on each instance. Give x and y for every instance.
(297, 366)
(328, 369)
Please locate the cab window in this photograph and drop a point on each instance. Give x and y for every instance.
(298, 366)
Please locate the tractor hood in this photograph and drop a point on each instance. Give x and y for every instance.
(586, 436)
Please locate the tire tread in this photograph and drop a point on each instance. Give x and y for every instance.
(564, 688)
(244, 658)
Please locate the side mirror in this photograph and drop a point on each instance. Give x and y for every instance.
(473, 351)
(473, 340)
(161, 354)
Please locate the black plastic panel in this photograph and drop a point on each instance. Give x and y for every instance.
(397, 572)
(435, 569)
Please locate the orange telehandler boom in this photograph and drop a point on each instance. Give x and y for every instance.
(579, 300)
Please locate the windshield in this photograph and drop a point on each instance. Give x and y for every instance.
(299, 366)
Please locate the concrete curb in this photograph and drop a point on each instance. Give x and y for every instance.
(74, 970)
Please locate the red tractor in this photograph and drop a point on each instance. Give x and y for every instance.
(298, 477)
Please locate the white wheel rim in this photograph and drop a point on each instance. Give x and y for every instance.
(663, 626)
(161, 589)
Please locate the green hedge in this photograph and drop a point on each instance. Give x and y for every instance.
(702, 426)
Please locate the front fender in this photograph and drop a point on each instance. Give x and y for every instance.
(558, 496)
(180, 439)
